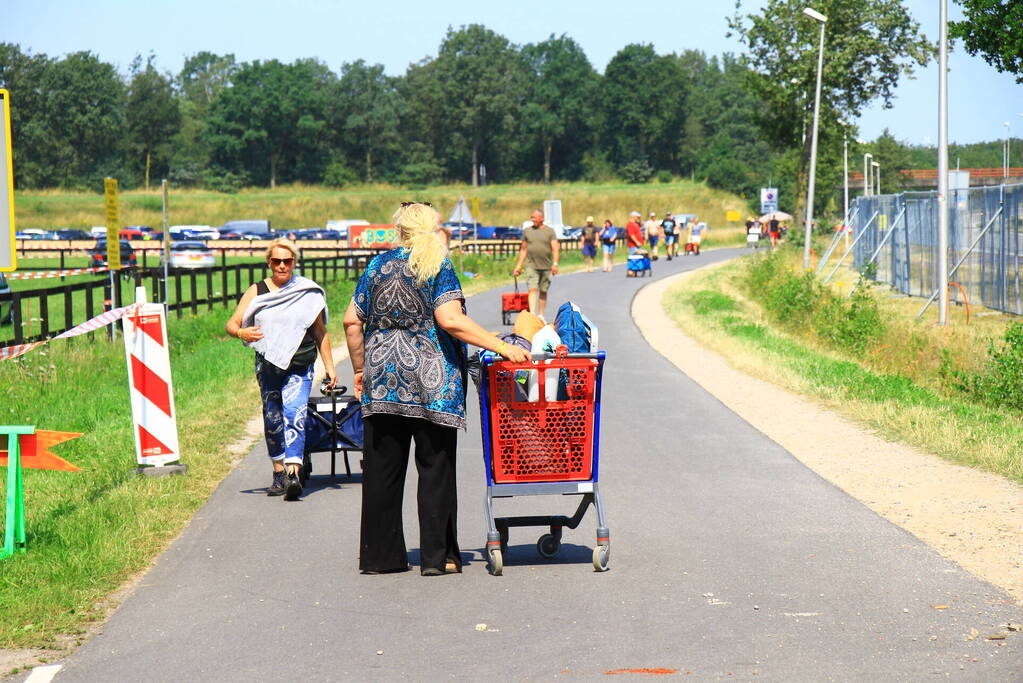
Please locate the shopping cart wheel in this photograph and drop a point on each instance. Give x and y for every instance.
(548, 546)
(601, 556)
(496, 561)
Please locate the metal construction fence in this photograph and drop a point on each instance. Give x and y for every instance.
(895, 240)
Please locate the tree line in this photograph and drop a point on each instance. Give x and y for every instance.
(482, 110)
(516, 113)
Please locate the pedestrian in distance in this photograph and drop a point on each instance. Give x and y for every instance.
(406, 330)
(774, 230)
(588, 238)
(283, 318)
(696, 231)
(634, 233)
(653, 234)
(670, 228)
(608, 240)
(539, 252)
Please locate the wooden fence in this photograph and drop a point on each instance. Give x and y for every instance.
(44, 312)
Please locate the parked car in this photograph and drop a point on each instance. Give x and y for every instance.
(98, 255)
(98, 231)
(33, 234)
(131, 233)
(71, 234)
(193, 232)
(191, 255)
(255, 229)
(6, 314)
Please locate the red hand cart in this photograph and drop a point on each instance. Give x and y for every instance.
(513, 302)
(542, 447)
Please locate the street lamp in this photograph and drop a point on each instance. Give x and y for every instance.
(866, 173)
(877, 176)
(845, 166)
(1005, 156)
(822, 20)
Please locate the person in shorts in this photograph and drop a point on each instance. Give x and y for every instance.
(670, 229)
(539, 252)
(653, 233)
(774, 230)
(589, 243)
(608, 239)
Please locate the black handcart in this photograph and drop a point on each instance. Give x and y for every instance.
(544, 446)
(333, 423)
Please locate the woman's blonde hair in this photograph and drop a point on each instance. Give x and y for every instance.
(417, 229)
(283, 243)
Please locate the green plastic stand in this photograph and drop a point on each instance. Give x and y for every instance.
(14, 524)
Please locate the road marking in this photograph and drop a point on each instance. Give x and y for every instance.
(44, 674)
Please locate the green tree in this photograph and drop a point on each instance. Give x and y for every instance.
(482, 85)
(152, 115)
(35, 149)
(992, 28)
(562, 95)
(893, 157)
(643, 96)
(869, 45)
(269, 122)
(369, 105)
(201, 78)
(84, 100)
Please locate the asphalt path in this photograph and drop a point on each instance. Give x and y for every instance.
(730, 560)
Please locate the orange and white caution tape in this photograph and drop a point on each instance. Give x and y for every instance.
(45, 274)
(101, 320)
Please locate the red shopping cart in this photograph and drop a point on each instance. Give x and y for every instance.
(545, 446)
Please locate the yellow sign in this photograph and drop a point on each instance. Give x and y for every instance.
(113, 224)
(8, 249)
(732, 216)
(476, 209)
(882, 221)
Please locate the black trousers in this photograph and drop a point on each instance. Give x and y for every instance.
(386, 442)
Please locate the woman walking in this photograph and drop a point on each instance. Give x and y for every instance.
(284, 319)
(406, 330)
(608, 237)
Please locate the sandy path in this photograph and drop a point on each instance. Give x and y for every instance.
(970, 517)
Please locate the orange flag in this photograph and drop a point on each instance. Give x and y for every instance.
(34, 453)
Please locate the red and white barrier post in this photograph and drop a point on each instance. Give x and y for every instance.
(152, 393)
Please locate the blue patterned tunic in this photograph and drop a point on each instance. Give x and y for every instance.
(412, 367)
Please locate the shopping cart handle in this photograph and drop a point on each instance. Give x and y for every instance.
(491, 357)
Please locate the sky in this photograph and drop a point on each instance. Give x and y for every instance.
(397, 33)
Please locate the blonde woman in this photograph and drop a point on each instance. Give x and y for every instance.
(284, 319)
(406, 330)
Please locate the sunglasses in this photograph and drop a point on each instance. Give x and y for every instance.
(404, 204)
(278, 261)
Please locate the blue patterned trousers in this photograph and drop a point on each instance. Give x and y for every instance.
(285, 395)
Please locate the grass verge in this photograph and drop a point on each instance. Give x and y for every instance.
(891, 383)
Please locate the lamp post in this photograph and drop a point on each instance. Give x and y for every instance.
(845, 168)
(877, 176)
(943, 162)
(1005, 150)
(820, 18)
(866, 173)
